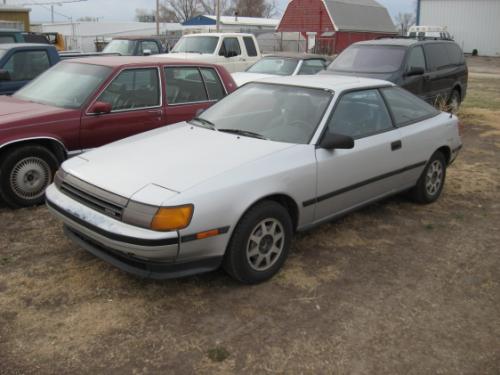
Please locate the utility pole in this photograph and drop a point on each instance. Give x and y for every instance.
(217, 25)
(157, 17)
(52, 13)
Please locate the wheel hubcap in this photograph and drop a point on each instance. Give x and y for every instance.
(30, 177)
(265, 244)
(434, 178)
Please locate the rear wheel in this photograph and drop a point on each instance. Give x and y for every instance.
(25, 173)
(260, 243)
(454, 102)
(431, 182)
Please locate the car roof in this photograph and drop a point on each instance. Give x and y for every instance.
(119, 61)
(297, 55)
(403, 42)
(327, 82)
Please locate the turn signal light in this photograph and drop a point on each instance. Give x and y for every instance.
(172, 218)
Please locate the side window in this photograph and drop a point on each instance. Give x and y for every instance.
(133, 89)
(26, 65)
(437, 56)
(213, 84)
(184, 85)
(455, 54)
(150, 45)
(360, 114)
(230, 47)
(406, 108)
(310, 67)
(250, 46)
(416, 59)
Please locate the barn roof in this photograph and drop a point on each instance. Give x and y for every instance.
(360, 15)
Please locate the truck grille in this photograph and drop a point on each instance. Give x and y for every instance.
(96, 203)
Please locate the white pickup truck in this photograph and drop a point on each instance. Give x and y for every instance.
(235, 51)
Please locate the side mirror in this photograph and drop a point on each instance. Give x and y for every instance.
(146, 52)
(415, 71)
(100, 108)
(5, 75)
(333, 141)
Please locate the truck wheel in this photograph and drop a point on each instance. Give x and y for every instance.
(260, 243)
(431, 182)
(25, 173)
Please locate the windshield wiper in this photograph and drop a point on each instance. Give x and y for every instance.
(244, 133)
(204, 122)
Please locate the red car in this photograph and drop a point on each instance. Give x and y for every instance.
(85, 103)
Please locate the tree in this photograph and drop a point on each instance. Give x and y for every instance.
(255, 8)
(143, 15)
(404, 21)
(182, 10)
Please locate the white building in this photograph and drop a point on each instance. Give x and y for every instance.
(474, 24)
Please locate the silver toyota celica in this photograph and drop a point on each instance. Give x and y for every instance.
(231, 186)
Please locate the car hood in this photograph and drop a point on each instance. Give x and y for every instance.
(244, 77)
(175, 157)
(381, 76)
(14, 110)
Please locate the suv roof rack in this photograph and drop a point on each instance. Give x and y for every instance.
(414, 37)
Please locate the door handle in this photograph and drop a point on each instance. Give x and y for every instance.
(396, 145)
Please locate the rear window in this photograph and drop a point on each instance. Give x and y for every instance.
(250, 46)
(369, 59)
(437, 56)
(406, 108)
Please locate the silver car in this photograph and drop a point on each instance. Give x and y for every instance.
(232, 186)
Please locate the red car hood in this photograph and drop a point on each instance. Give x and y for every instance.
(15, 112)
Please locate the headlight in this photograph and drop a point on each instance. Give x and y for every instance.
(172, 218)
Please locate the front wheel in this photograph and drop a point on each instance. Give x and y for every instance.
(431, 182)
(260, 243)
(25, 173)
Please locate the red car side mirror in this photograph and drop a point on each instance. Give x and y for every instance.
(100, 108)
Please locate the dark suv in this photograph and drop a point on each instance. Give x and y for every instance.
(435, 70)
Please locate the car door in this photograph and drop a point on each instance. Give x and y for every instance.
(440, 75)
(416, 83)
(22, 67)
(347, 178)
(136, 106)
(190, 90)
(230, 55)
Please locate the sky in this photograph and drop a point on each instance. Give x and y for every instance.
(124, 10)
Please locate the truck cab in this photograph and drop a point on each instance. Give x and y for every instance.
(235, 51)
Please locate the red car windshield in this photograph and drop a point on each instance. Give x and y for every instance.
(66, 85)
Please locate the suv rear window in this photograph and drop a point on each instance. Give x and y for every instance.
(369, 59)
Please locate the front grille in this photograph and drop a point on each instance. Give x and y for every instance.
(89, 200)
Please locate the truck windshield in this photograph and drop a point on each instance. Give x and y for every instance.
(196, 44)
(274, 65)
(369, 59)
(66, 85)
(121, 46)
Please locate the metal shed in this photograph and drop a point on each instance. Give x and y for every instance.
(473, 24)
(336, 24)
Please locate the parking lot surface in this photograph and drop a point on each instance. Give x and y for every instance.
(396, 288)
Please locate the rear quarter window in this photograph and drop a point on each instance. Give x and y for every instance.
(406, 108)
(250, 46)
(437, 56)
(455, 54)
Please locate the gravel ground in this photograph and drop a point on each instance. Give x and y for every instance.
(396, 288)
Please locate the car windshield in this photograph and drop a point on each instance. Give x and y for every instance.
(123, 47)
(66, 85)
(274, 65)
(280, 113)
(369, 59)
(196, 44)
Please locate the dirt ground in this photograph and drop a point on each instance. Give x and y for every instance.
(397, 288)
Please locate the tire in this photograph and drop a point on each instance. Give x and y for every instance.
(25, 173)
(260, 243)
(454, 102)
(430, 184)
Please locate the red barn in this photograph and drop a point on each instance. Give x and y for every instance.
(337, 23)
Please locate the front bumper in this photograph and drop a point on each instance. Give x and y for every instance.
(139, 251)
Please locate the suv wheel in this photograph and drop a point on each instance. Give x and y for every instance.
(454, 102)
(25, 173)
(260, 243)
